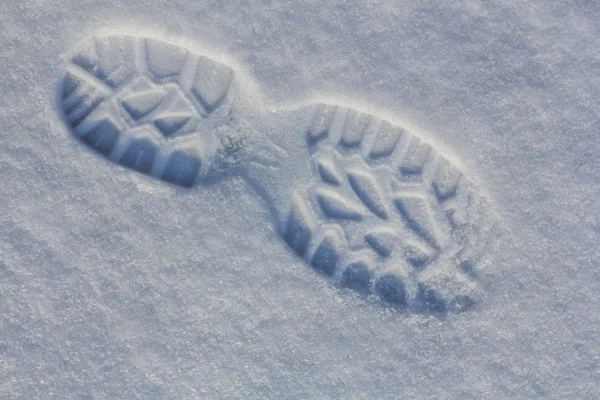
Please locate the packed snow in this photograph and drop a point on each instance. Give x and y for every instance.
(292, 257)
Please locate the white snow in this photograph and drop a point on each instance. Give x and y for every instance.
(117, 285)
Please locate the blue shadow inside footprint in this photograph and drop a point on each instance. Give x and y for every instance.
(357, 277)
(429, 301)
(391, 289)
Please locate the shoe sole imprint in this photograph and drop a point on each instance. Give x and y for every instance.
(387, 214)
(147, 105)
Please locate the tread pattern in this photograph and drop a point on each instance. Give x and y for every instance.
(147, 105)
(386, 213)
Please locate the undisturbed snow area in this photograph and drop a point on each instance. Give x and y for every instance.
(116, 285)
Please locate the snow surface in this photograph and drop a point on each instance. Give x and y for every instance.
(115, 285)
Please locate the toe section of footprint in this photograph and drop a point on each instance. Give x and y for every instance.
(385, 214)
(147, 105)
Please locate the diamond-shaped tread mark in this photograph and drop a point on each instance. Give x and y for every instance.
(366, 188)
(415, 158)
(138, 105)
(337, 206)
(164, 59)
(211, 83)
(329, 172)
(181, 169)
(299, 227)
(415, 212)
(382, 241)
(354, 128)
(321, 123)
(327, 257)
(179, 105)
(170, 124)
(386, 140)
